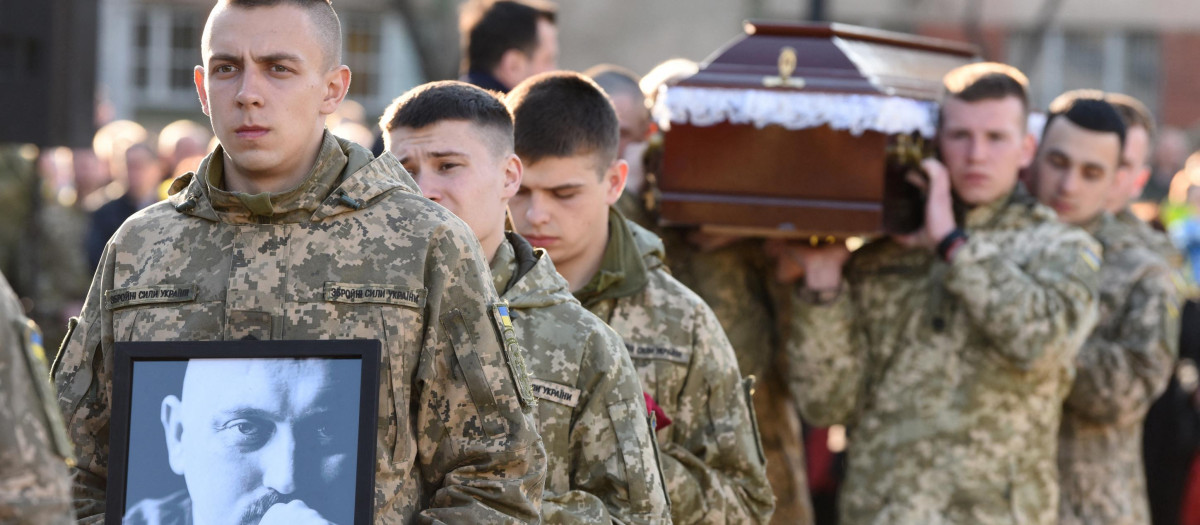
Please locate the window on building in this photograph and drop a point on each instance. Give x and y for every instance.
(1117, 61)
(166, 49)
(360, 36)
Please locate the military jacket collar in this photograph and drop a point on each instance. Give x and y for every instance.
(345, 178)
(1012, 211)
(992, 214)
(1113, 234)
(526, 277)
(1100, 221)
(626, 263)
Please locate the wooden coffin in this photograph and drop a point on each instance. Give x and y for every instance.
(787, 131)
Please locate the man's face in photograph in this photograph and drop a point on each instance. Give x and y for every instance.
(250, 433)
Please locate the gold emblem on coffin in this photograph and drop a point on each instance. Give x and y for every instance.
(907, 150)
(787, 66)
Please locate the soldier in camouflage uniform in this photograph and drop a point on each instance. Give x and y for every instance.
(566, 136)
(1125, 363)
(63, 276)
(1167, 442)
(35, 488)
(948, 352)
(1135, 172)
(456, 141)
(735, 278)
(19, 192)
(286, 232)
(737, 281)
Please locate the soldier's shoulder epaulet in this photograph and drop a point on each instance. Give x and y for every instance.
(1027, 213)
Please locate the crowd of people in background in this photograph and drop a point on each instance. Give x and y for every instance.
(61, 207)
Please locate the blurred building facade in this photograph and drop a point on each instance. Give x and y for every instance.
(148, 48)
(1145, 48)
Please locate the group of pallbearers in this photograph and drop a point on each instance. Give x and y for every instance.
(993, 367)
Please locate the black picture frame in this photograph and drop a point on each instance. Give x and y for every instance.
(142, 371)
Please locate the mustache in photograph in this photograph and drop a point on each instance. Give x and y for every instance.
(254, 513)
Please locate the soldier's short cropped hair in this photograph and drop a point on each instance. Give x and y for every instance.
(321, 12)
(563, 114)
(986, 81)
(1133, 112)
(1087, 109)
(435, 102)
(489, 28)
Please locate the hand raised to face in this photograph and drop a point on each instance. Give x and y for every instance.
(294, 512)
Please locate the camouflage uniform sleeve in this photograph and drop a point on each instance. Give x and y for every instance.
(1119, 375)
(575, 506)
(714, 465)
(615, 475)
(82, 372)
(1035, 312)
(34, 484)
(826, 360)
(477, 440)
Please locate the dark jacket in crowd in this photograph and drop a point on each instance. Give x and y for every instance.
(104, 223)
(484, 80)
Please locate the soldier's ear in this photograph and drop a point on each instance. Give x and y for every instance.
(1029, 147)
(172, 422)
(198, 78)
(513, 171)
(337, 85)
(512, 68)
(614, 180)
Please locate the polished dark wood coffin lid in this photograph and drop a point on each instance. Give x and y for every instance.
(816, 181)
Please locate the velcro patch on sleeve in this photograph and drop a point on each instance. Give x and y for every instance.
(665, 353)
(554, 392)
(374, 294)
(139, 295)
(513, 354)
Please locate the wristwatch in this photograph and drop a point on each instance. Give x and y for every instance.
(950, 243)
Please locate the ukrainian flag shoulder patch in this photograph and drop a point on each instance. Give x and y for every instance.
(1091, 258)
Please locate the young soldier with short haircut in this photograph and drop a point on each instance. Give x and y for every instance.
(566, 136)
(262, 241)
(948, 353)
(1132, 177)
(1126, 361)
(456, 141)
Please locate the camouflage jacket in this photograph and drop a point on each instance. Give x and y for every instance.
(602, 464)
(1158, 242)
(35, 488)
(738, 282)
(951, 377)
(19, 200)
(64, 275)
(354, 251)
(1122, 368)
(711, 456)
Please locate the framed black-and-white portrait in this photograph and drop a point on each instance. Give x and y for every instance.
(243, 432)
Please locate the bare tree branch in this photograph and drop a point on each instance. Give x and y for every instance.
(434, 30)
(973, 27)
